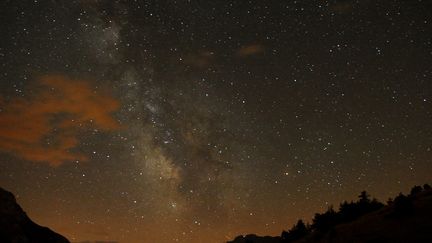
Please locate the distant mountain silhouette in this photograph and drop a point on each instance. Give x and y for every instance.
(404, 219)
(17, 227)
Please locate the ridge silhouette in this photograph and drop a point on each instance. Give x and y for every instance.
(17, 227)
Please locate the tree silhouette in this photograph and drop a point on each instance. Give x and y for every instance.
(298, 231)
(323, 224)
(364, 197)
(390, 201)
(416, 190)
(325, 221)
(349, 211)
(403, 205)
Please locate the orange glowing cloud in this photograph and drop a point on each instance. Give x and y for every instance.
(44, 126)
(250, 50)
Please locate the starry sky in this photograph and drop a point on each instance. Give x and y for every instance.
(197, 120)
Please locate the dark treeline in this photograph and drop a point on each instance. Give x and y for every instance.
(350, 211)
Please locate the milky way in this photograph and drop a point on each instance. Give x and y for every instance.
(196, 121)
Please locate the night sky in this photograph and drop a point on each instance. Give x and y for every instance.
(197, 121)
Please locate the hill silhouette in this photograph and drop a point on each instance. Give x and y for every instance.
(407, 218)
(17, 227)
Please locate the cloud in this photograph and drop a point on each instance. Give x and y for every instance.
(44, 126)
(201, 59)
(250, 50)
(345, 6)
(342, 8)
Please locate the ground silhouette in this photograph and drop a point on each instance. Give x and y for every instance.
(406, 218)
(17, 227)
